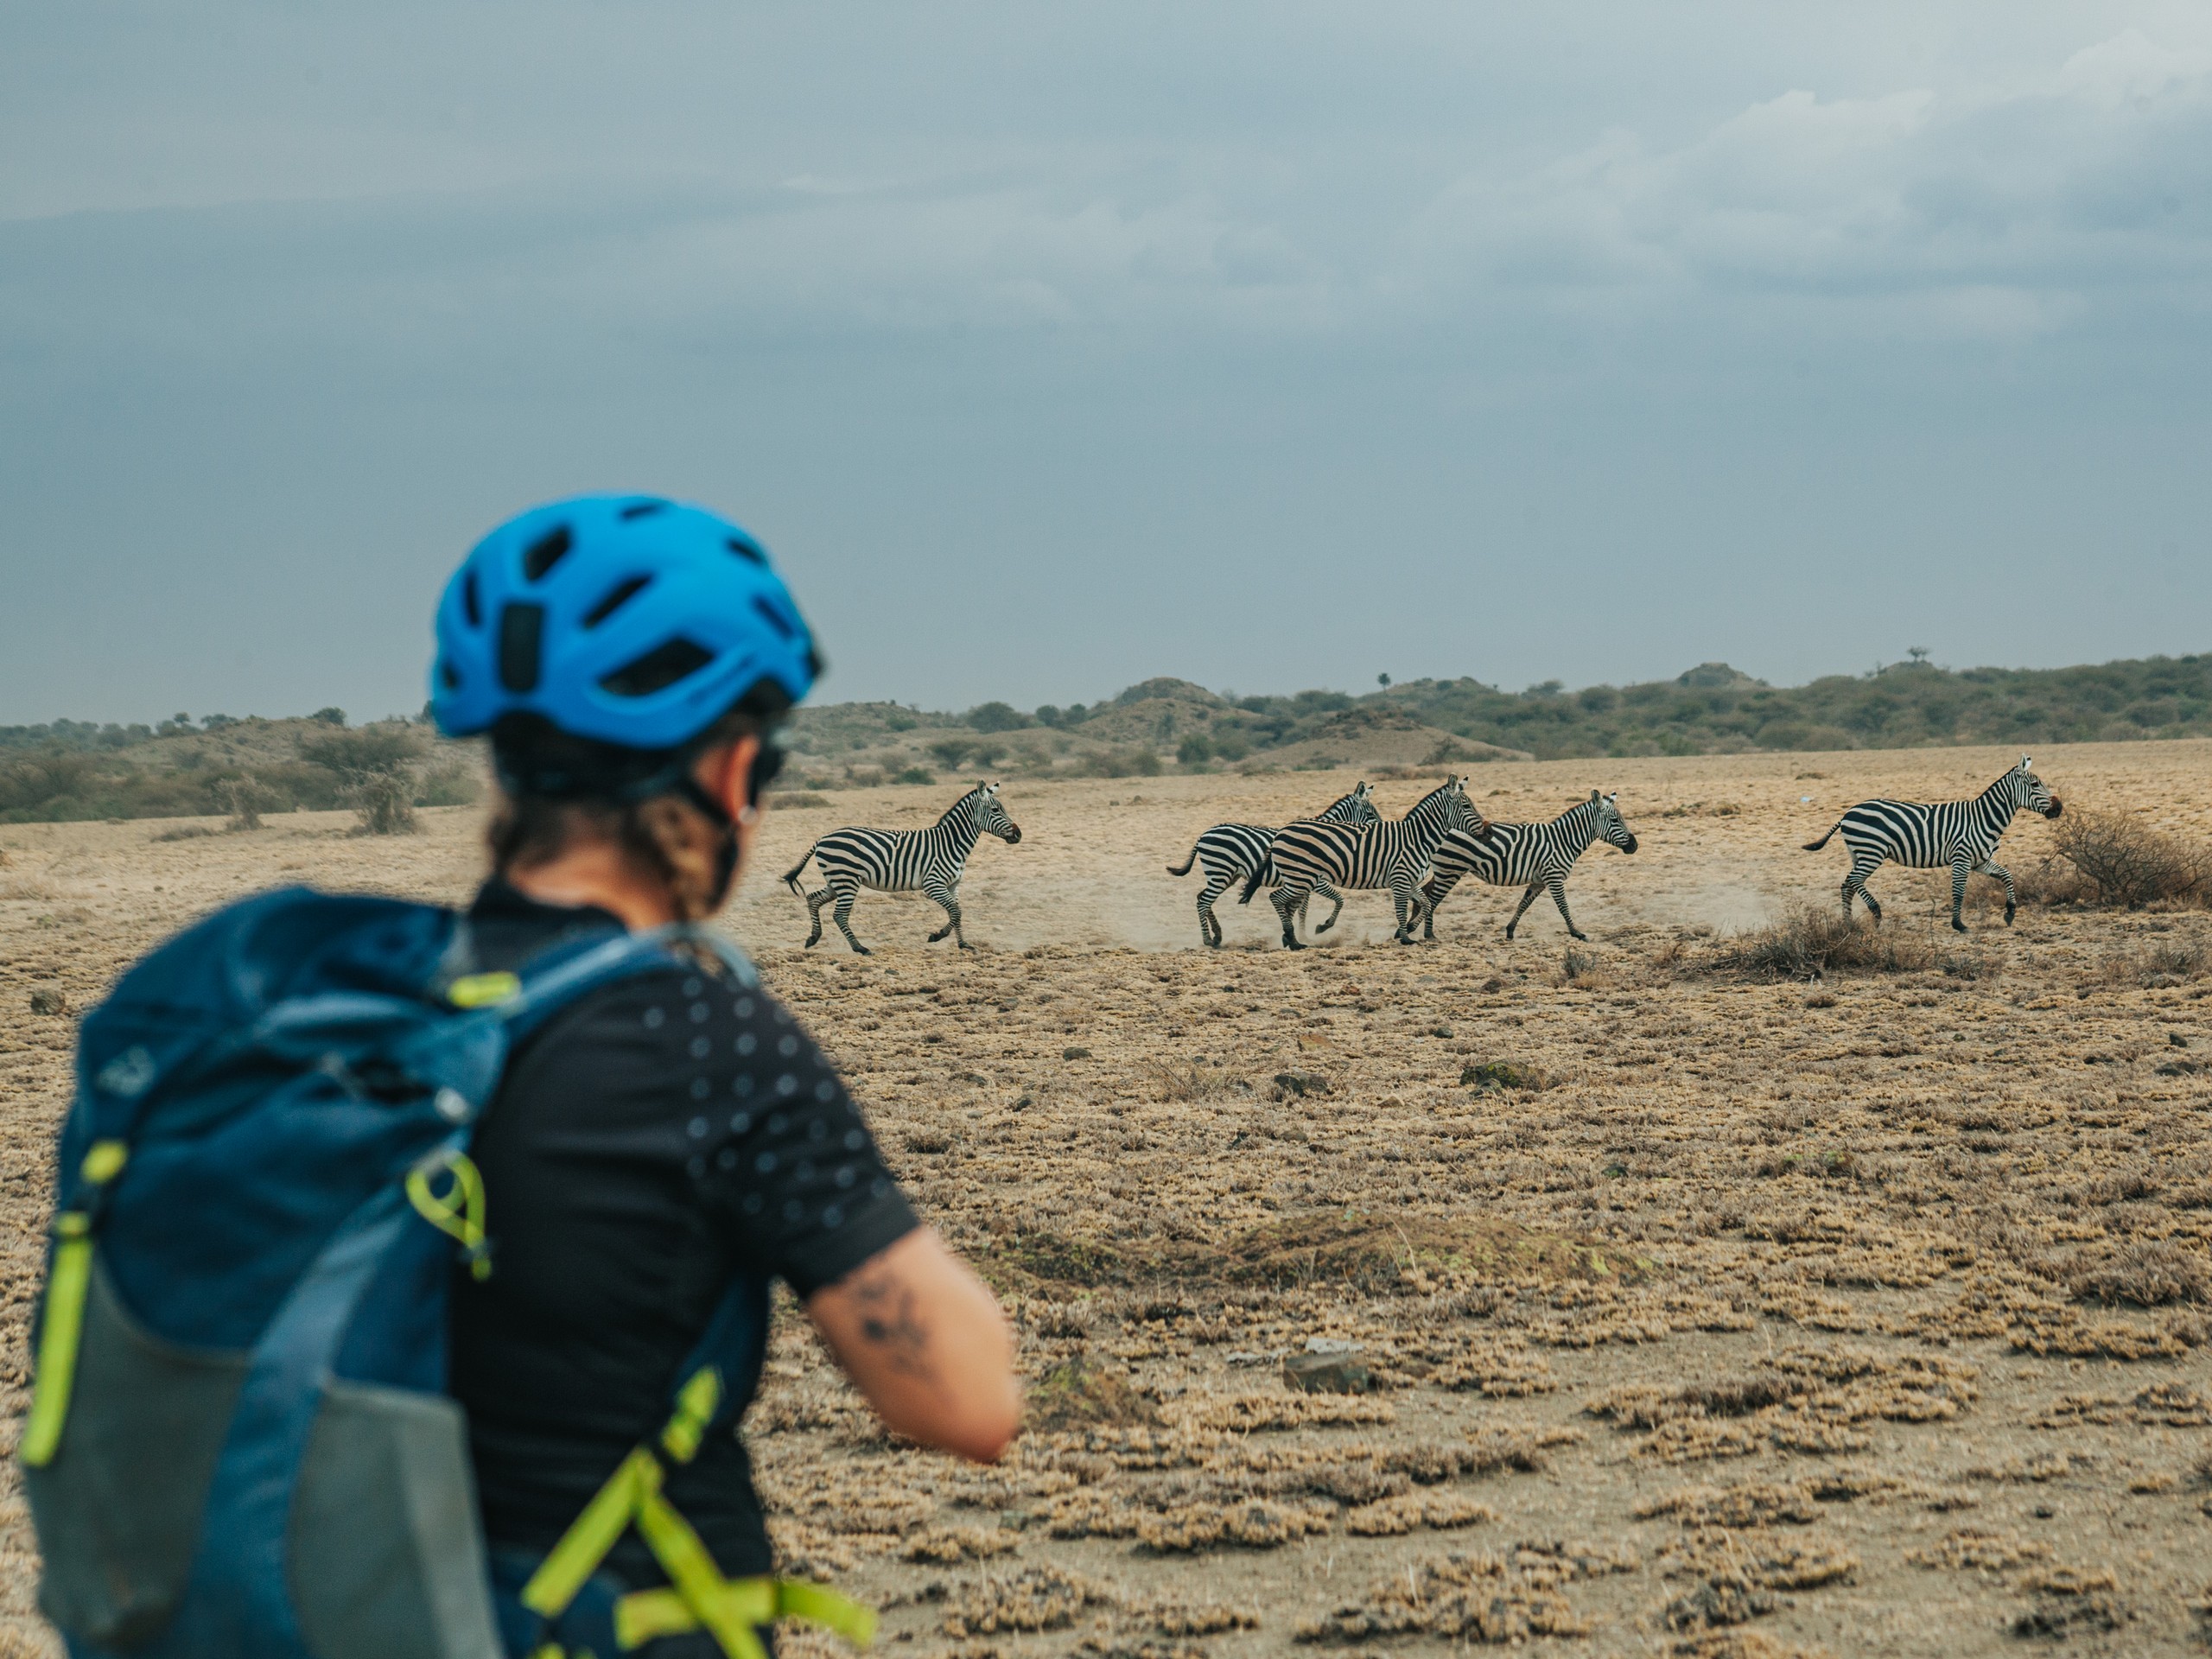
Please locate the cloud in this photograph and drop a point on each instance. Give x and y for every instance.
(1974, 213)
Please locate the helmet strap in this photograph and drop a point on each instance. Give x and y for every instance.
(726, 855)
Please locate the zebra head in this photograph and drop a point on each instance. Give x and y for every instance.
(1447, 807)
(990, 816)
(1606, 810)
(2029, 790)
(1359, 807)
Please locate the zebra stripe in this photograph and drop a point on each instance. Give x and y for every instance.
(1229, 852)
(1537, 855)
(900, 860)
(1961, 834)
(1323, 857)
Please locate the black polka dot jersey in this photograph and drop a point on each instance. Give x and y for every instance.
(661, 1137)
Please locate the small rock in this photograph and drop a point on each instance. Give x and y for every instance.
(1075, 1053)
(1301, 1083)
(1327, 1374)
(49, 1000)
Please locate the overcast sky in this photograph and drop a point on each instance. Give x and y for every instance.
(1054, 347)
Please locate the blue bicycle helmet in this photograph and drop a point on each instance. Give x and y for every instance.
(626, 619)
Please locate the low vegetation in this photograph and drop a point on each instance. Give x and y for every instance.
(237, 769)
(180, 768)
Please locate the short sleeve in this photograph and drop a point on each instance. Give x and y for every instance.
(783, 1154)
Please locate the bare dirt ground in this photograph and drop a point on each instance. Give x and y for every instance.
(1731, 1316)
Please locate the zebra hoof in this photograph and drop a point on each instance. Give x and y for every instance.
(1572, 934)
(1292, 945)
(816, 940)
(1957, 926)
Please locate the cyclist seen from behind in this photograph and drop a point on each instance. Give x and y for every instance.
(667, 1146)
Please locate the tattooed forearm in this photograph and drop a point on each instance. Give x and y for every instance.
(891, 1322)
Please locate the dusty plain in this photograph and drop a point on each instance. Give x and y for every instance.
(1782, 1316)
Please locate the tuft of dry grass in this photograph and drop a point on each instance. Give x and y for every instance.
(2146, 1273)
(1078, 1394)
(1814, 941)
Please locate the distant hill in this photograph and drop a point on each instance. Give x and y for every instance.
(76, 770)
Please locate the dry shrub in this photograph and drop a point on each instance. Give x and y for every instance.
(1814, 941)
(2117, 859)
(1036, 1599)
(382, 802)
(2145, 1273)
(1182, 1084)
(245, 800)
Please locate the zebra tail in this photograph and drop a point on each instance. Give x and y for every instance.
(1252, 885)
(1187, 862)
(790, 876)
(1816, 846)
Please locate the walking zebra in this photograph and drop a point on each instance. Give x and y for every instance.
(1536, 855)
(1961, 834)
(1314, 857)
(1229, 852)
(899, 860)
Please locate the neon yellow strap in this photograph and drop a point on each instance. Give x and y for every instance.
(63, 1327)
(695, 1403)
(459, 1211)
(58, 1340)
(584, 1546)
(483, 990)
(645, 1615)
(694, 1575)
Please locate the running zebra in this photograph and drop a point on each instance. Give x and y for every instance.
(1314, 857)
(1961, 834)
(1537, 855)
(899, 860)
(1229, 852)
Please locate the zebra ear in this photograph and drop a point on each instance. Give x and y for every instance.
(1594, 794)
(2024, 763)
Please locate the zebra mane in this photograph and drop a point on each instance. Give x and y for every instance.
(1442, 789)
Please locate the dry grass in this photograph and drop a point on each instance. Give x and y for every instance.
(1818, 1250)
(1815, 941)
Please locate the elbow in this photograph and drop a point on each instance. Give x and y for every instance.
(981, 1432)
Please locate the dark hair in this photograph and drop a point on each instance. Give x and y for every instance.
(559, 787)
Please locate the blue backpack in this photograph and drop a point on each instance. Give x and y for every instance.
(240, 1445)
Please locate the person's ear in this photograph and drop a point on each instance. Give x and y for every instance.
(723, 773)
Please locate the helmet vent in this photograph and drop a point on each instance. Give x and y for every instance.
(470, 607)
(746, 551)
(546, 551)
(617, 596)
(446, 673)
(774, 618)
(521, 629)
(641, 509)
(658, 668)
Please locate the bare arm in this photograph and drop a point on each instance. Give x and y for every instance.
(923, 1340)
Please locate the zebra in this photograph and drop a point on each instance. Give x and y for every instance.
(899, 860)
(1961, 834)
(1538, 855)
(1314, 857)
(1229, 852)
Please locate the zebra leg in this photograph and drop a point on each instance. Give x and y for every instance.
(1209, 924)
(1406, 901)
(1286, 900)
(1855, 884)
(1526, 899)
(1991, 866)
(814, 903)
(946, 896)
(1959, 868)
(844, 917)
(1558, 885)
(1336, 901)
(1438, 890)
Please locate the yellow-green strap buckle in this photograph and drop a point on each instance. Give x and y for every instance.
(483, 990)
(458, 1211)
(62, 1329)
